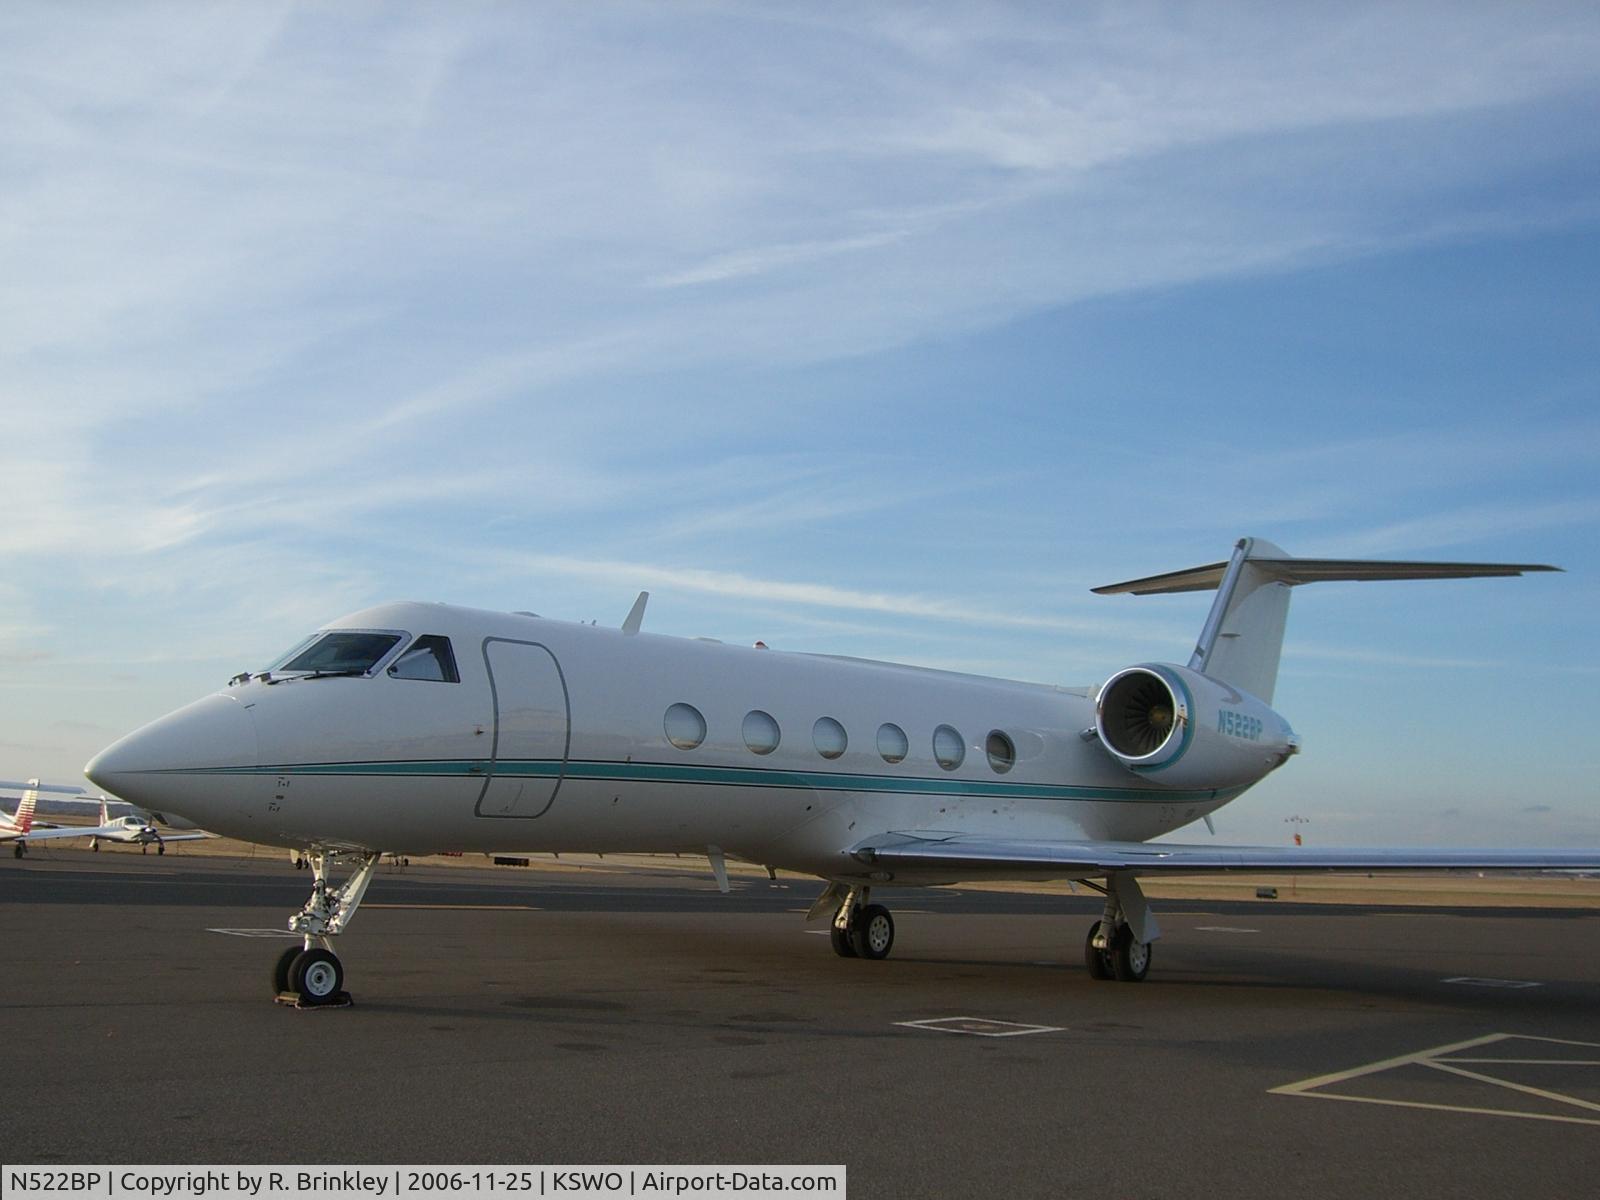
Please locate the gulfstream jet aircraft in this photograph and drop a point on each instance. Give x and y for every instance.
(417, 728)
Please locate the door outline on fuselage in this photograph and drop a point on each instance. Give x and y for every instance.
(494, 749)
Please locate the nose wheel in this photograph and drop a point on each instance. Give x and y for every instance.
(311, 975)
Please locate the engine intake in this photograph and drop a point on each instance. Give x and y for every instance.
(1138, 713)
(1179, 727)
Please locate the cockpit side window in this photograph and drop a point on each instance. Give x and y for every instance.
(429, 657)
(343, 652)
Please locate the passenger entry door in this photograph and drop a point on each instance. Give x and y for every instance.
(532, 729)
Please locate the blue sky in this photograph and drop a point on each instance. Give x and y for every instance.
(881, 330)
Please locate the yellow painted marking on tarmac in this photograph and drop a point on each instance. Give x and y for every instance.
(1419, 916)
(465, 907)
(1443, 1058)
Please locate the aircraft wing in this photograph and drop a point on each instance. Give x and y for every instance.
(962, 856)
(36, 834)
(198, 835)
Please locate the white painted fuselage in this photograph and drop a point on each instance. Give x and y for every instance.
(556, 738)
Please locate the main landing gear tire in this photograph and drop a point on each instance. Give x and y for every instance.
(1097, 960)
(317, 975)
(1130, 959)
(281, 969)
(1125, 960)
(843, 945)
(872, 932)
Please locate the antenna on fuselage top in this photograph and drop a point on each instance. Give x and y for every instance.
(636, 614)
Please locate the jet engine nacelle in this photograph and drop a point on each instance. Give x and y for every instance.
(1176, 726)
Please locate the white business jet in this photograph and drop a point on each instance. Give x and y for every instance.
(418, 728)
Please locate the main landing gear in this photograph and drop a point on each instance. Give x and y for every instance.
(1118, 946)
(859, 929)
(311, 975)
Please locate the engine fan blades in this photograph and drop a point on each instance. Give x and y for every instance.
(1144, 715)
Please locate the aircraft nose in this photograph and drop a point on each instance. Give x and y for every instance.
(174, 762)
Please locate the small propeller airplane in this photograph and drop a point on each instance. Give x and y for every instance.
(22, 827)
(136, 829)
(419, 728)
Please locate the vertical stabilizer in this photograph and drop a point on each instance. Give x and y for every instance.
(1242, 640)
(25, 806)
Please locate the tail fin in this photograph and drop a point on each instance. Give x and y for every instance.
(105, 813)
(25, 806)
(1242, 639)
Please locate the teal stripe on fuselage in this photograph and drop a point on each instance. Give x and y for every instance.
(712, 776)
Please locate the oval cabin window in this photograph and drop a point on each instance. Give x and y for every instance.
(829, 737)
(949, 748)
(1002, 754)
(892, 744)
(760, 732)
(685, 727)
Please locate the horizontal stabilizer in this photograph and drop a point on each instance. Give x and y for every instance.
(1295, 571)
(44, 787)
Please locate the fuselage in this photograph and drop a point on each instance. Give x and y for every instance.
(554, 736)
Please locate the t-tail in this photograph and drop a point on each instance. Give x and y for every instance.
(1242, 639)
(1210, 724)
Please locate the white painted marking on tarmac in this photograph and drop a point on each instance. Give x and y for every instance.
(1449, 1060)
(980, 1026)
(256, 933)
(1224, 929)
(1474, 981)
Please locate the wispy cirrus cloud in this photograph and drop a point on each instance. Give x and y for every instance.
(308, 305)
(806, 594)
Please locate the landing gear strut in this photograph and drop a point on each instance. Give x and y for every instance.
(1118, 946)
(859, 929)
(311, 975)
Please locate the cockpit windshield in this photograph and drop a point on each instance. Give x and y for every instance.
(341, 652)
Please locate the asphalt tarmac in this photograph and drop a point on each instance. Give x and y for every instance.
(591, 1016)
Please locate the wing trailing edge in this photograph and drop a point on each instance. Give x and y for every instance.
(990, 858)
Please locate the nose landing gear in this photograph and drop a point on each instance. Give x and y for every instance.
(312, 976)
